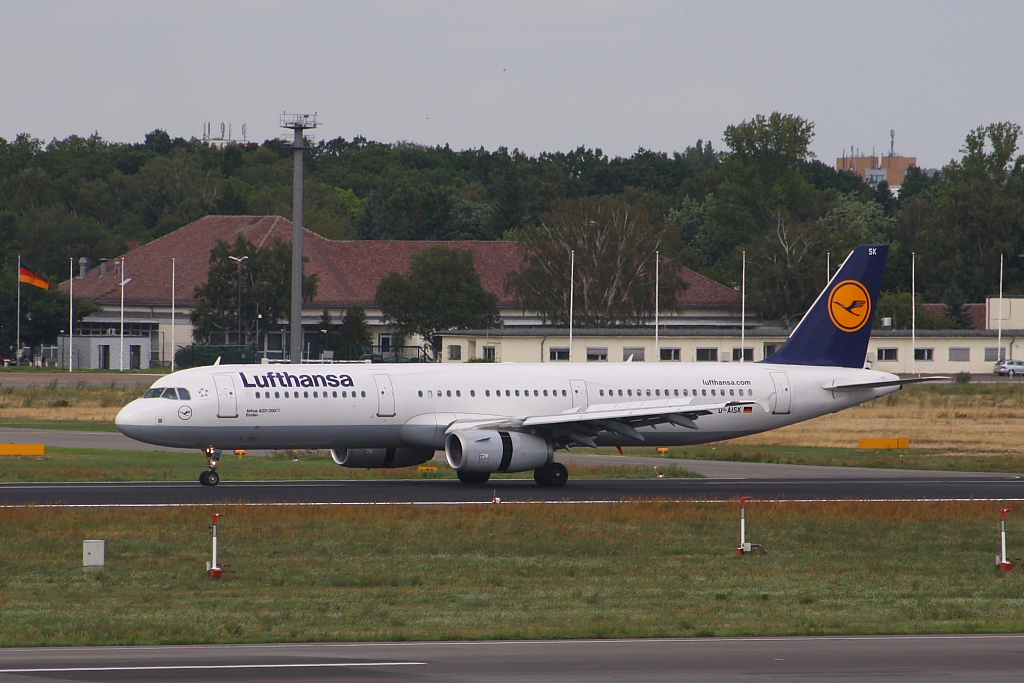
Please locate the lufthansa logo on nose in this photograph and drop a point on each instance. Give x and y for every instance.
(849, 305)
(184, 412)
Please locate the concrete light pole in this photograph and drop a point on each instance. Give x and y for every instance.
(298, 123)
(239, 261)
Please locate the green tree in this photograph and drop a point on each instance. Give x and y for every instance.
(615, 246)
(265, 289)
(353, 331)
(442, 292)
(978, 214)
(785, 270)
(897, 306)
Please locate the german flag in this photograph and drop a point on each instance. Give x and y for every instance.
(28, 277)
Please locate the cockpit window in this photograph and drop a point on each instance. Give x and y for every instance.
(170, 392)
(153, 393)
(183, 394)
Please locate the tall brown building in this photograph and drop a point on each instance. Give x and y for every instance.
(891, 169)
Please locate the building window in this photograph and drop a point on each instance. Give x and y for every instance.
(924, 354)
(670, 354)
(959, 354)
(386, 341)
(748, 355)
(992, 353)
(489, 353)
(634, 352)
(558, 353)
(598, 354)
(707, 355)
(888, 354)
(769, 349)
(455, 352)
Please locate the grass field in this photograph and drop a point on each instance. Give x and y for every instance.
(505, 571)
(93, 464)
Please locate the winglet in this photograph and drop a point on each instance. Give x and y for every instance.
(836, 330)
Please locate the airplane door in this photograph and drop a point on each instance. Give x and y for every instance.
(385, 396)
(578, 387)
(227, 402)
(783, 394)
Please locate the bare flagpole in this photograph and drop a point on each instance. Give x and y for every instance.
(999, 341)
(174, 319)
(913, 312)
(71, 319)
(657, 281)
(743, 310)
(572, 283)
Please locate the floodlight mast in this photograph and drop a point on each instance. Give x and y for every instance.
(298, 123)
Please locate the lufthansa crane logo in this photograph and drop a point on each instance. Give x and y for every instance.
(849, 305)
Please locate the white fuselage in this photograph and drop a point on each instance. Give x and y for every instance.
(410, 406)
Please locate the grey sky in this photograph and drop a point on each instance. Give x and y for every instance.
(540, 76)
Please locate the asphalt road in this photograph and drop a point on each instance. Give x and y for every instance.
(73, 379)
(880, 659)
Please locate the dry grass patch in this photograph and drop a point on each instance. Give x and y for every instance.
(972, 419)
(85, 403)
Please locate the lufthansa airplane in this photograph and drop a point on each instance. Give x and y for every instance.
(514, 417)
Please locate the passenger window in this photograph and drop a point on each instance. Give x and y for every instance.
(684, 392)
(517, 392)
(420, 393)
(334, 394)
(277, 394)
(601, 392)
(509, 393)
(620, 392)
(545, 392)
(448, 393)
(362, 394)
(629, 392)
(257, 394)
(487, 393)
(712, 392)
(731, 393)
(314, 395)
(648, 392)
(472, 393)
(704, 392)
(458, 394)
(286, 394)
(564, 392)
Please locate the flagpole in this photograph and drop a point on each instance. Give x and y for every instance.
(71, 319)
(657, 278)
(173, 317)
(120, 360)
(743, 310)
(17, 350)
(572, 278)
(913, 313)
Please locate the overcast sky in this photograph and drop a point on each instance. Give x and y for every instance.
(540, 76)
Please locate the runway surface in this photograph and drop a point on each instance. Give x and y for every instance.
(881, 659)
(438, 491)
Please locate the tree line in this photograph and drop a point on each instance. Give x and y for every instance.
(762, 192)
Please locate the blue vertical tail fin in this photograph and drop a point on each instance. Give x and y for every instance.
(836, 330)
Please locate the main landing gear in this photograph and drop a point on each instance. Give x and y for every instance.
(210, 476)
(553, 475)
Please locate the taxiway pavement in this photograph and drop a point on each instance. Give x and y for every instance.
(880, 659)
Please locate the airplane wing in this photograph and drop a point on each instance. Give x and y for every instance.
(581, 427)
(886, 383)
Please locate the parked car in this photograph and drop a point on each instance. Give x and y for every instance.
(1009, 367)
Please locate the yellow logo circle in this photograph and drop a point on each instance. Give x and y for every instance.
(849, 305)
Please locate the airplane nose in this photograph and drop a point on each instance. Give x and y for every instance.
(127, 418)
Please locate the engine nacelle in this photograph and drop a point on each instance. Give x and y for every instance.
(372, 458)
(479, 450)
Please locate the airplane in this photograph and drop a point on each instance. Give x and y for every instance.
(510, 417)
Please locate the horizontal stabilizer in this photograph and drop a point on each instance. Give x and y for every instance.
(886, 383)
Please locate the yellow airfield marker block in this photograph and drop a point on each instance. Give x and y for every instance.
(22, 449)
(899, 442)
(427, 468)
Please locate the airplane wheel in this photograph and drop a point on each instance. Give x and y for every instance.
(553, 475)
(204, 478)
(474, 477)
(212, 478)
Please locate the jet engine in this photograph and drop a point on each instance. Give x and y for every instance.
(485, 451)
(372, 458)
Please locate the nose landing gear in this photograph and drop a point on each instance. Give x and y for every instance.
(210, 477)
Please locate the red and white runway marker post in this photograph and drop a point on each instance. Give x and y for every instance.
(1002, 560)
(744, 547)
(214, 567)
